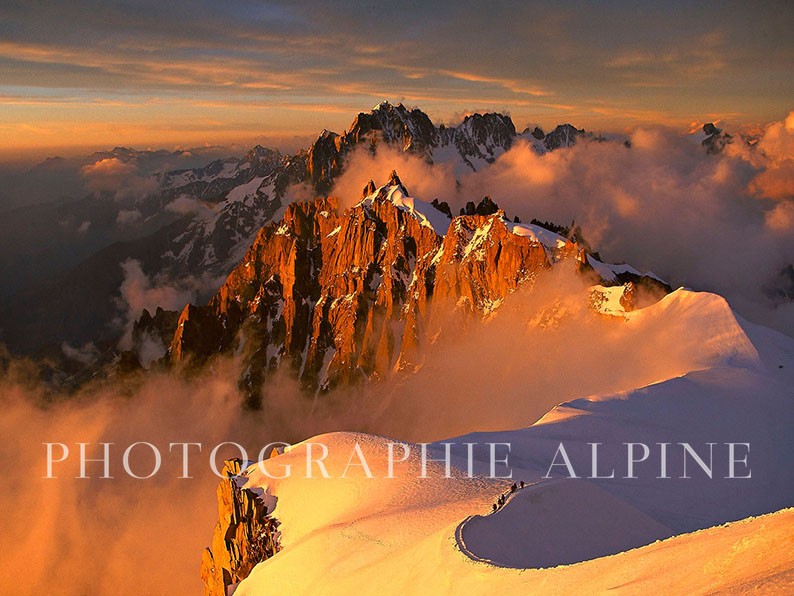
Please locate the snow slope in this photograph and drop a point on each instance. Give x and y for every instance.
(437, 535)
(536, 528)
(399, 536)
(424, 212)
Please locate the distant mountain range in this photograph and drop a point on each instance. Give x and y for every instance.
(193, 226)
(197, 221)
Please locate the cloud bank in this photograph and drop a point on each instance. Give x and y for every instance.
(120, 178)
(124, 536)
(722, 223)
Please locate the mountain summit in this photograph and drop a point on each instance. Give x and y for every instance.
(216, 211)
(343, 296)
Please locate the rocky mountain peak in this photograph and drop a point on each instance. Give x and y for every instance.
(481, 137)
(564, 135)
(234, 197)
(394, 180)
(385, 105)
(489, 126)
(259, 153)
(262, 160)
(341, 297)
(715, 140)
(369, 189)
(412, 130)
(325, 159)
(478, 140)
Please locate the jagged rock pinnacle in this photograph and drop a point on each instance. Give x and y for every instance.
(369, 188)
(484, 207)
(394, 180)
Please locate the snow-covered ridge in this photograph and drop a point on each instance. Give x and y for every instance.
(424, 212)
(429, 216)
(228, 168)
(537, 234)
(610, 271)
(443, 535)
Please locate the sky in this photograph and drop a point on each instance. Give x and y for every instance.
(101, 73)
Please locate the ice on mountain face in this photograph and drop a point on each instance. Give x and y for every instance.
(425, 213)
(476, 241)
(218, 169)
(537, 145)
(218, 236)
(229, 169)
(604, 271)
(449, 154)
(244, 191)
(537, 234)
(475, 143)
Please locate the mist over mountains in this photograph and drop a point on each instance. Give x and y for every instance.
(407, 299)
(709, 210)
(408, 280)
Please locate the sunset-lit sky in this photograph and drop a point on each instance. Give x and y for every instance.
(99, 73)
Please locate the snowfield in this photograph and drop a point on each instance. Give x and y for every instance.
(425, 213)
(655, 527)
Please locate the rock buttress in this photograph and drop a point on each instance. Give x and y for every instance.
(244, 535)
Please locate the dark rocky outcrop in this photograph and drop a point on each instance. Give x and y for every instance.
(442, 206)
(715, 140)
(485, 207)
(781, 288)
(245, 534)
(160, 327)
(564, 135)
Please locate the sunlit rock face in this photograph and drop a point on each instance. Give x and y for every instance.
(479, 138)
(244, 535)
(339, 297)
(215, 212)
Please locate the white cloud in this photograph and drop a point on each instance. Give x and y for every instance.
(128, 216)
(120, 178)
(663, 205)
